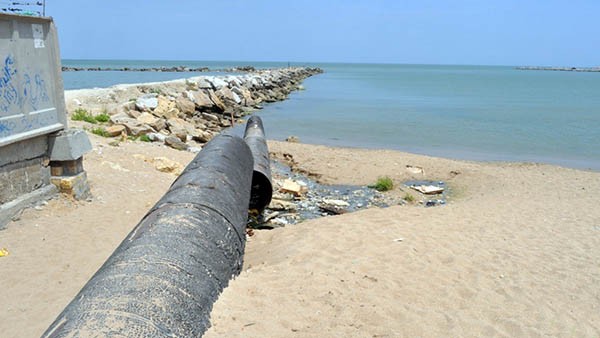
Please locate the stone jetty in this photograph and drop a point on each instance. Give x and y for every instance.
(561, 69)
(183, 114)
(173, 69)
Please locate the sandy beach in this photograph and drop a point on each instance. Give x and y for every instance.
(515, 251)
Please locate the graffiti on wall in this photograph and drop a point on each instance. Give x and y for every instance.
(22, 92)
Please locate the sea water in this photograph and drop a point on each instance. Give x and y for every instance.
(487, 113)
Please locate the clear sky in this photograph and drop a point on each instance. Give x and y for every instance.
(485, 32)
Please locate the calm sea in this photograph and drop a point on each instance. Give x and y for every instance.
(465, 112)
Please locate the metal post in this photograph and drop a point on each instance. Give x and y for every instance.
(164, 277)
(262, 188)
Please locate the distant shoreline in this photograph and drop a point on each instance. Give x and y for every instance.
(562, 69)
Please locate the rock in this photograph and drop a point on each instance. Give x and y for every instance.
(281, 205)
(228, 97)
(290, 186)
(152, 121)
(133, 113)
(185, 105)
(115, 130)
(414, 169)
(181, 128)
(166, 165)
(244, 94)
(292, 139)
(216, 100)
(210, 117)
(216, 82)
(201, 99)
(175, 143)
(165, 108)
(203, 84)
(120, 118)
(156, 137)
(332, 209)
(203, 136)
(336, 203)
(147, 102)
(138, 129)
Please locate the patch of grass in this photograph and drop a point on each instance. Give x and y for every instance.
(102, 118)
(145, 138)
(81, 114)
(100, 132)
(409, 198)
(189, 85)
(155, 91)
(383, 184)
(132, 138)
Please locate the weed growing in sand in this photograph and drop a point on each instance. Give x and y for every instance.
(145, 138)
(409, 198)
(383, 184)
(81, 114)
(102, 118)
(100, 132)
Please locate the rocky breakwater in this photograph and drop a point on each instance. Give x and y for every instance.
(183, 113)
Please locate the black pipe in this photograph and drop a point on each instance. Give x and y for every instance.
(262, 188)
(165, 276)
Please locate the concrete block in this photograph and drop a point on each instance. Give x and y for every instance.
(24, 150)
(11, 209)
(69, 145)
(75, 186)
(21, 178)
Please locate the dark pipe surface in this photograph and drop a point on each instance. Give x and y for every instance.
(164, 277)
(262, 188)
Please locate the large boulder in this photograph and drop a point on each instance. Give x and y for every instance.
(185, 105)
(157, 123)
(175, 143)
(244, 94)
(146, 102)
(216, 82)
(165, 108)
(228, 97)
(203, 84)
(201, 99)
(216, 100)
(181, 128)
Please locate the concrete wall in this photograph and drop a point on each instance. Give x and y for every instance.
(31, 106)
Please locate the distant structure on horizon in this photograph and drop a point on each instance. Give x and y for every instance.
(561, 69)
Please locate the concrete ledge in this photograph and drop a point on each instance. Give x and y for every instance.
(68, 145)
(10, 209)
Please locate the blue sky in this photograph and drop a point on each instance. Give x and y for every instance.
(508, 32)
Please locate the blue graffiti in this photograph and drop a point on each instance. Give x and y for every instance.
(8, 92)
(6, 128)
(34, 91)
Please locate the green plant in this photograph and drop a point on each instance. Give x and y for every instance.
(81, 114)
(408, 198)
(100, 132)
(145, 138)
(102, 118)
(189, 85)
(155, 91)
(383, 184)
